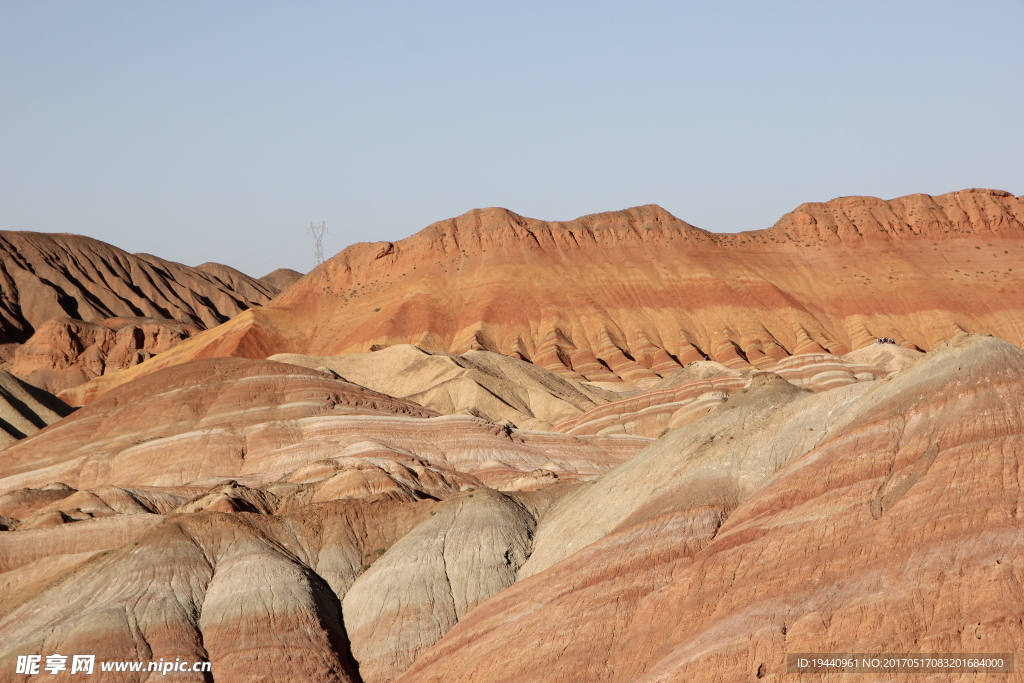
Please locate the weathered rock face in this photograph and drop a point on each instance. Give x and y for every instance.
(222, 510)
(64, 353)
(887, 357)
(81, 307)
(287, 524)
(654, 412)
(488, 385)
(633, 295)
(876, 516)
(893, 526)
(25, 409)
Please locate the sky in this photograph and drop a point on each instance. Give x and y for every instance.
(217, 131)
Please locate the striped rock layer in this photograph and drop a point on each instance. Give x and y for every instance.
(256, 421)
(632, 296)
(878, 516)
(657, 410)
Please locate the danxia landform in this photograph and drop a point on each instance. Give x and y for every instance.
(632, 296)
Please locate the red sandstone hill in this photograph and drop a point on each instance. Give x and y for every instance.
(80, 307)
(633, 295)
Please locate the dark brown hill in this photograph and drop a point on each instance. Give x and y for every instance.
(83, 307)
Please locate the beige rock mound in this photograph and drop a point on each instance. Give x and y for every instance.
(488, 385)
(891, 527)
(694, 371)
(681, 398)
(25, 410)
(822, 371)
(369, 469)
(232, 497)
(654, 412)
(103, 501)
(709, 465)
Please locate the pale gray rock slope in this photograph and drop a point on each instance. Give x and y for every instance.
(716, 461)
(468, 551)
(697, 370)
(898, 529)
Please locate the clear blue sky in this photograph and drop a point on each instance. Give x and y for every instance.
(218, 130)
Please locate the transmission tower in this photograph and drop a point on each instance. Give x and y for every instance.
(318, 232)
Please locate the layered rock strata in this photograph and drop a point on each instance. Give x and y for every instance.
(631, 296)
(674, 401)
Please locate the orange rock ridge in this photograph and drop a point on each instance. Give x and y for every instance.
(634, 295)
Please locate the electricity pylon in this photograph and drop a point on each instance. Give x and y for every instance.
(318, 232)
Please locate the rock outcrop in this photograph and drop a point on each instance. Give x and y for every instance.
(221, 510)
(256, 595)
(887, 357)
(631, 296)
(375, 511)
(45, 276)
(469, 550)
(256, 421)
(784, 520)
(64, 353)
